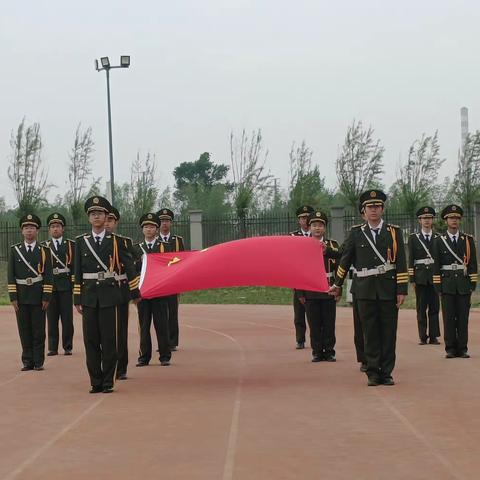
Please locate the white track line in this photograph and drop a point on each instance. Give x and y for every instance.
(229, 465)
(25, 464)
(421, 438)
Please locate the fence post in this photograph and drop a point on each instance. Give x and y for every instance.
(476, 225)
(337, 223)
(196, 234)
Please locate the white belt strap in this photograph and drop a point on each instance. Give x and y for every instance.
(380, 270)
(123, 276)
(58, 271)
(374, 248)
(26, 263)
(424, 261)
(454, 266)
(58, 260)
(95, 255)
(424, 246)
(28, 281)
(98, 275)
(459, 260)
(330, 275)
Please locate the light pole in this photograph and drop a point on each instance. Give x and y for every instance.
(105, 65)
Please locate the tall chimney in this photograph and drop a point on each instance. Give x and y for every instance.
(463, 125)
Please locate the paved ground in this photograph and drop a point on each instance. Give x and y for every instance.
(239, 402)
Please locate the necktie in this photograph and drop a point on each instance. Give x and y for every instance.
(375, 232)
(57, 245)
(97, 241)
(165, 239)
(149, 247)
(305, 234)
(29, 249)
(454, 241)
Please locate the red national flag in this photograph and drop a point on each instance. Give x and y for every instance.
(280, 261)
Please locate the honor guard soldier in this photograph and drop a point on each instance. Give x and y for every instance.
(111, 226)
(175, 244)
(455, 278)
(377, 252)
(156, 308)
(61, 304)
(420, 271)
(302, 213)
(30, 287)
(100, 257)
(320, 307)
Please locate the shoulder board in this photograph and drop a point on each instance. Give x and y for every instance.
(86, 235)
(468, 235)
(44, 246)
(413, 234)
(357, 226)
(392, 225)
(70, 240)
(177, 236)
(16, 244)
(331, 241)
(44, 243)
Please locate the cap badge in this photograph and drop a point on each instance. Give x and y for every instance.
(373, 194)
(149, 215)
(454, 207)
(305, 209)
(425, 209)
(29, 217)
(96, 200)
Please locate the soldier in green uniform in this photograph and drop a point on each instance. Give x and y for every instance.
(100, 257)
(420, 271)
(377, 252)
(455, 277)
(175, 244)
(61, 304)
(320, 307)
(303, 214)
(30, 287)
(154, 308)
(111, 225)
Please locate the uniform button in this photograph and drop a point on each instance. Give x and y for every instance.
(98, 283)
(98, 266)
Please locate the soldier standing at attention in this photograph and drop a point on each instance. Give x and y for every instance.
(175, 244)
(302, 213)
(156, 308)
(455, 278)
(99, 258)
(111, 225)
(30, 287)
(61, 304)
(380, 284)
(420, 271)
(320, 307)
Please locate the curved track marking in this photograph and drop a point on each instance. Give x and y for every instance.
(229, 465)
(25, 464)
(421, 438)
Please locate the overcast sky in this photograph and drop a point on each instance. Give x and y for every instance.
(201, 68)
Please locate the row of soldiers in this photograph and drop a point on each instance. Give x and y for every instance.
(99, 273)
(439, 266)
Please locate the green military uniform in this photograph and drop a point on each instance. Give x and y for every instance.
(321, 307)
(298, 308)
(455, 278)
(123, 307)
(154, 308)
(30, 284)
(61, 303)
(378, 256)
(420, 271)
(175, 244)
(98, 263)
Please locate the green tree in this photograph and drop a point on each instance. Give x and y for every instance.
(359, 163)
(416, 180)
(307, 186)
(202, 184)
(26, 172)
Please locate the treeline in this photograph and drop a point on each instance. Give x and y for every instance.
(244, 185)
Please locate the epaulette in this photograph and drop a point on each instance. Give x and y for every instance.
(16, 244)
(177, 236)
(70, 240)
(357, 226)
(82, 235)
(392, 225)
(44, 246)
